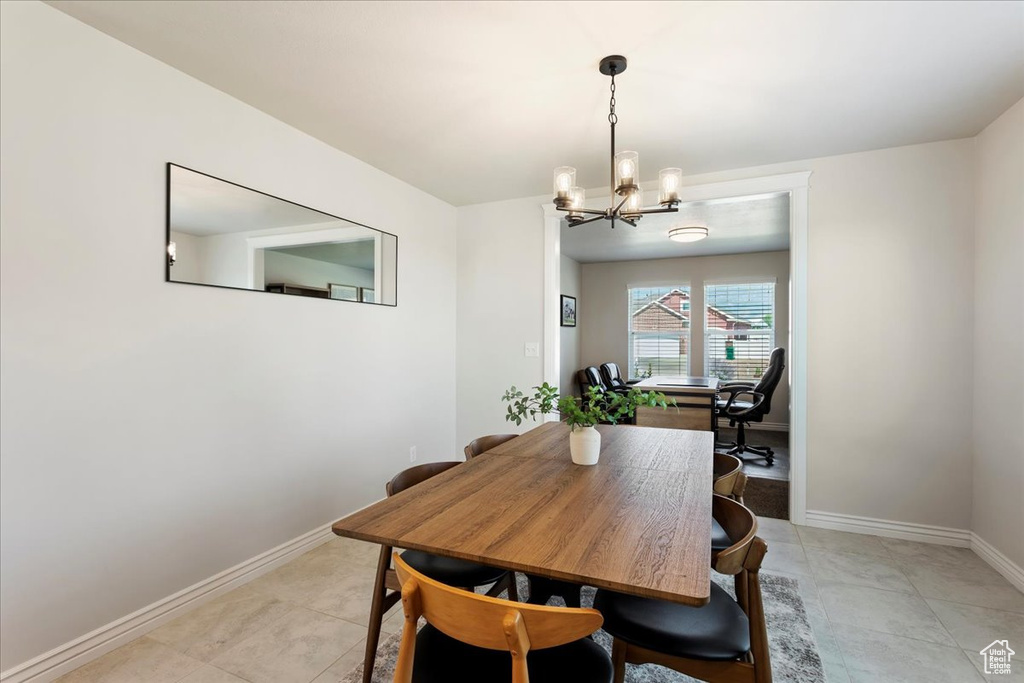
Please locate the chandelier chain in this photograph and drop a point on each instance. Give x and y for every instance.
(612, 118)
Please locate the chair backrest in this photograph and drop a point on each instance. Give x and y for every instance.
(728, 469)
(415, 475)
(770, 379)
(611, 375)
(739, 523)
(484, 622)
(589, 377)
(486, 443)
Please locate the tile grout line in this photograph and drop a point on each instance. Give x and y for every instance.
(895, 562)
(267, 594)
(828, 617)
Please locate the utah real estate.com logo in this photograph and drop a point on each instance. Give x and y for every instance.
(997, 657)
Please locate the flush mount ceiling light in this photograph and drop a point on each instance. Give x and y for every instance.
(690, 233)
(625, 177)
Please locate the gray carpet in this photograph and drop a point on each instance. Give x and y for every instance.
(794, 652)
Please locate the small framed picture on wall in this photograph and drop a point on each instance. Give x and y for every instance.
(568, 311)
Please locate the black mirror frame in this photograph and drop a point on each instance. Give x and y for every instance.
(167, 237)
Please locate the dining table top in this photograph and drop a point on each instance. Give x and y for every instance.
(638, 522)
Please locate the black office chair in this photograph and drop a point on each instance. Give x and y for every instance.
(613, 378)
(592, 377)
(589, 377)
(743, 412)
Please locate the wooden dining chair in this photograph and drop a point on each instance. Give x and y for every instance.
(469, 638)
(449, 570)
(725, 641)
(486, 443)
(730, 479)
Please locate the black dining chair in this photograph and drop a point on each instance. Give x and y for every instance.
(448, 570)
(725, 640)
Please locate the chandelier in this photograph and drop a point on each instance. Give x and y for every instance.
(625, 176)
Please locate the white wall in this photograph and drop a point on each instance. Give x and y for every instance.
(501, 284)
(999, 335)
(889, 383)
(569, 337)
(298, 270)
(154, 434)
(188, 257)
(603, 318)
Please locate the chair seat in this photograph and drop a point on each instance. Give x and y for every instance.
(719, 539)
(736, 407)
(718, 631)
(452, 571)
(441, 659)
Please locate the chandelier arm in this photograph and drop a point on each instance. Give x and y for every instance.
(590, 211)
(588, 220)
(628, 221)
(670, 210)
(616, 209)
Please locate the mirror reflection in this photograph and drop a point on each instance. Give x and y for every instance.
(225, 235)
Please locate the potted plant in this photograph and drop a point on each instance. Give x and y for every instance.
(581, 414)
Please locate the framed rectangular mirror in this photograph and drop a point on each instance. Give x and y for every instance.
(221, 234)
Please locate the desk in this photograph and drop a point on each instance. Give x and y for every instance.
(637, 522)
(695, 403)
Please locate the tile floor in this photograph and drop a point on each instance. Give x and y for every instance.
(881, 610)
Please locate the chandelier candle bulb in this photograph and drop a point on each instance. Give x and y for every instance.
(577, 198)
(627, 171)
(565, 180)
(634, 204)
(669, 180)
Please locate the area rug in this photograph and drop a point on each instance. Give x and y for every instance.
(767, 497)
(794, 651)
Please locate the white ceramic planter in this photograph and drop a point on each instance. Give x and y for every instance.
(585, 445)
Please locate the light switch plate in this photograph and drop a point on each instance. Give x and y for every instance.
(532, 350)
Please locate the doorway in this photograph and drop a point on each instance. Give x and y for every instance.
(794, 187)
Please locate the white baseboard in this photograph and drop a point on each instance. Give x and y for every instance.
(907, 531)
(962, 538)
(1000, 562)
(74, 654)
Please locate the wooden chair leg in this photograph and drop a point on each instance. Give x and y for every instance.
(513, 589)
(619, 660)
(572, 597)
(376, 612)
(759, 635)
(540, 590)
(740, 582)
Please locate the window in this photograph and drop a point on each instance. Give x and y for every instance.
(659, 331)
(739, 328)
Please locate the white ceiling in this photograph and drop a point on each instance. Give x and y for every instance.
(202, 206)
(355, 254)
(476, 102)
(735, 226)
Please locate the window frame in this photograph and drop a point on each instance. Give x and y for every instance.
(687, 334)
(712, 332)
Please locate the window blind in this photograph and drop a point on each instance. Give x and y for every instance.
(739, 326)
(659, 331)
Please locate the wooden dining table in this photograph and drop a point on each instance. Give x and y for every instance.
(639, 521)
